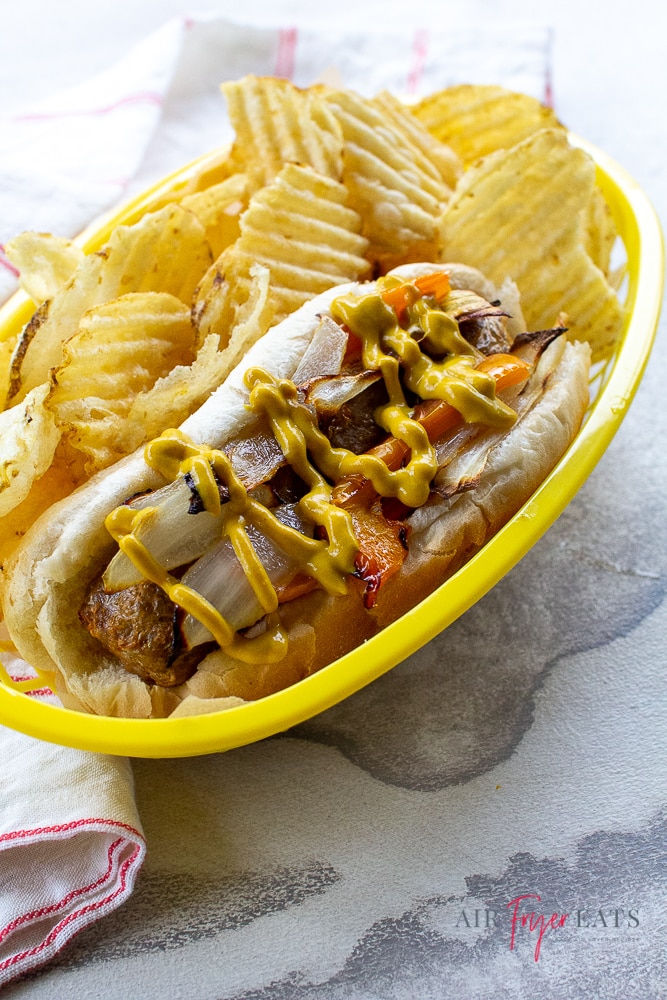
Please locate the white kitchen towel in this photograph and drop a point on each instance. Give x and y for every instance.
(81, 151)
(70, 838)
(71, 846)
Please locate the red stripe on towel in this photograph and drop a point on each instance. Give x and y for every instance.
(64, 924)
(44, 911)
(419, 53)
(143, 97)
(6, 263)
(65, 828)
(64, 928)
(548, 88)
(285, 57)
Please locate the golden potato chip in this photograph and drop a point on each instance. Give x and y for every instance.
(121, 348)
(276, 123)
(253, 315)
(218, 208)
(522, 213)
(165, 251)
(28, 440)
(397, 196)
(476, 120)
(59, 480)
(300, 228)
(432, 155)
(173, 397)
(45, 262)
(601, 233)
(210, 170)
(176, 395)
(214, 168)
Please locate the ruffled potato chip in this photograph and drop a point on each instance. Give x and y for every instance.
(392, 186)
(300, 228)
(121, 348)
(178, 394)
(45, 263)
(601, 236)
(212, 169)
(28, 440)
(432, 155)
(475, 120)
(219, 208)
(277, 123)
(166, 251)
(523, 213)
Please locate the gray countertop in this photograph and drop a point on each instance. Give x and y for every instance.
(396, 845)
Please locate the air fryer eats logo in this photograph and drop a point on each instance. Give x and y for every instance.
(528, 919)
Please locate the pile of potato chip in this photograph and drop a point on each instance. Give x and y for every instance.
(320, 187)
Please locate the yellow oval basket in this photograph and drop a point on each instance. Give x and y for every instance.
(612, 389)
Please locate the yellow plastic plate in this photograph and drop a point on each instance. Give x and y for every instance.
(612, 390)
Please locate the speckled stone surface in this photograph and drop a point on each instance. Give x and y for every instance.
(514, 766)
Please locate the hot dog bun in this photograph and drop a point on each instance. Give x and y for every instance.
(47, 578)
(444, 535)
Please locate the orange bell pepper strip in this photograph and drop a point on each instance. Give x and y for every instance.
(382, 537)
(382, 548)
(298, 586)
(401, 296)
(507, 369)
(436, 417)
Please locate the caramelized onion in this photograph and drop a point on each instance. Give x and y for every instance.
(325, 352)
(171, 534)
(327, 395)
(256, 459)
(219, 578)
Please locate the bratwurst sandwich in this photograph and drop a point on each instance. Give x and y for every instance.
(363, 450)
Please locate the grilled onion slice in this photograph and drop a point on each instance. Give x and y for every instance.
(173, 536)
(219, 578)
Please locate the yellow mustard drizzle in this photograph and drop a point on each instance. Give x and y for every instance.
(387, 346)
(296, 430)
(392, 348)
(173, 454)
